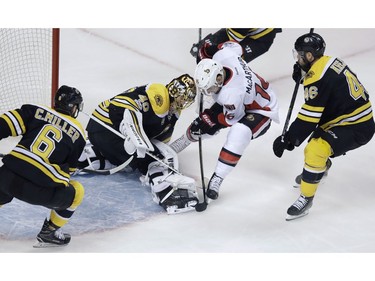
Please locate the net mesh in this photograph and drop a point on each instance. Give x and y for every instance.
(25, 67)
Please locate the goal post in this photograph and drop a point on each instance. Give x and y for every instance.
(29, 66)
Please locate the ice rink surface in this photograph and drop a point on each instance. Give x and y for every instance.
(246, 226)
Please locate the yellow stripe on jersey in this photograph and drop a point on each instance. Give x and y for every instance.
(359, 115)
(19, 121)
(159, 98)
(10, 125)
(310, 113)
(253, 33)
(15, 123)
(51, 170)
(317, 70)
(234, 35)
(102, 113)
(125, 102)
(101, 117)
(256, 33)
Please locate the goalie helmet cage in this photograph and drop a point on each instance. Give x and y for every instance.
(29, 64)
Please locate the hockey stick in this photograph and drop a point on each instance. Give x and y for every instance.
(109, 171)
(123, 137)
(200, 207)
(289, 114)
(287, 120)
(99, 172)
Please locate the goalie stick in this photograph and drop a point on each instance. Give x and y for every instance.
(109, 171)
(99, 172)
(122, 136)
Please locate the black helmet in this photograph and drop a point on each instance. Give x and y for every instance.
(66, 98)
(311, 42)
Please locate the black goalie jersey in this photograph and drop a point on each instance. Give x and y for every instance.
(333, 97)
(50, 146)
(151, 100)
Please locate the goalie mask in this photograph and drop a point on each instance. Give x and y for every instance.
(183, 91)
(209, 76)
(68, 101)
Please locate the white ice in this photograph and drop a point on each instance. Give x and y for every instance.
(248, 219)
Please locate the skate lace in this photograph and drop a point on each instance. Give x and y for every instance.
(300, 203)
(215, 183)
(59, 234)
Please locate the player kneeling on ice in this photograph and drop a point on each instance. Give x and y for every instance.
(37, 170)
(122, 130)
(244, 102)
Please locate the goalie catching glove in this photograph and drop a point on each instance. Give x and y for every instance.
(136, 139)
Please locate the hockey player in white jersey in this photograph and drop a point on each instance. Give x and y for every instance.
(244, 102)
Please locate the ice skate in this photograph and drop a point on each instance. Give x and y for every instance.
(213, 187)
(51, 237)
(300, 208)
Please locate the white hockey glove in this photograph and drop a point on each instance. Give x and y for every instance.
(136, 139)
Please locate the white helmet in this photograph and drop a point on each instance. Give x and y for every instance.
(209, 76)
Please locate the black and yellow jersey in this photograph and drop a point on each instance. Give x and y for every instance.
(334, 96)
(50, 146)
(151, 100)
(238, 34)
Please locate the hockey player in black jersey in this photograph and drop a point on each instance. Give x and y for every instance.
(145, 118)
(37, 170)
(336, 116)
(254, 42)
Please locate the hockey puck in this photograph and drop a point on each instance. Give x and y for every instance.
(200, 207)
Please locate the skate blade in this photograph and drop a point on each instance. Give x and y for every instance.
(47, 245)
(290, 217)
(172, 210)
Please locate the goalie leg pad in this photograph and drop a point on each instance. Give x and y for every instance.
(174, 192)
(175, 200)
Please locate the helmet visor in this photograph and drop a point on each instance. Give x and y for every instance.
(297, 55)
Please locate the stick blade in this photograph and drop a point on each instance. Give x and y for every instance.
(200, 207)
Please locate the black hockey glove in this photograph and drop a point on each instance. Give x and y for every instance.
(204, 124)
(196, 46)
(297, 73)
(281, 143)
(206, 51)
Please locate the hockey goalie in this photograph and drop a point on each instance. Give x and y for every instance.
(130, 131)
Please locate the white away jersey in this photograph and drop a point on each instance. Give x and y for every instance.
(243, 91)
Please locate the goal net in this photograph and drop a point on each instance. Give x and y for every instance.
(28, 66)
